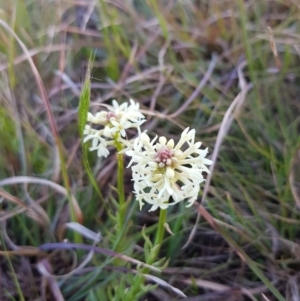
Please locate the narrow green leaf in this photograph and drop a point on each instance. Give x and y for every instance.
(147, 240)
(84, 104)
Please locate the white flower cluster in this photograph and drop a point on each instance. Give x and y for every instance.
(163, 170)
(115, 121)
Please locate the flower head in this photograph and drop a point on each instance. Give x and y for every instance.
(115, 122)
(163, 169)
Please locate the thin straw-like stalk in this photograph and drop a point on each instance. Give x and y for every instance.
(242, 254)
(58, 142)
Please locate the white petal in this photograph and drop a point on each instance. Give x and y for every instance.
(114, 122)
(145, 138)
(115, 104)
(170, 144)
(170, 172)
(90, 117)
(162, 140)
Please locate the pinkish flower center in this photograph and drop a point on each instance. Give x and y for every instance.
(110, 115)
(164, 157)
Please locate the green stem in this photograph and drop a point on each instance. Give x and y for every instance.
(120, 185)
(121, 227)
(118, 245)
(139, 280)
(160, 232)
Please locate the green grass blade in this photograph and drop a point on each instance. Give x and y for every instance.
(84, 104)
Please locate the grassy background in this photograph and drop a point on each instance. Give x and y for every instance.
(156, 52)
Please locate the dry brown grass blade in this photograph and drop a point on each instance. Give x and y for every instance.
(273, 47)
(292, 246)
(58, 144)
(90, 8)
(207, 284)
(45, 270)
(19, 210)
(7, 239)
(129, 63)
(221, 287)
(164, 284)
(12, 198)
(33, 180)
(67, 245)
(240, 252)
(265, 298)
(162, 78)
(168, 229)
(34, 210)
(295, 167)
(67, 80)
(202, 83)
(36, 75)
(44, 49)
(85, 232)
(229, 116)
(48, 274)
(17, 250)
(24, 251)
